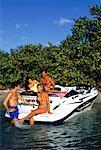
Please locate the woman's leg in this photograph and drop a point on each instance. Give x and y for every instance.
(31, 121)
(34, 112)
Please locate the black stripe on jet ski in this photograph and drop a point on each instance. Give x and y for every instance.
(83, 98)
(74, 111)
(79, 108)
(76, 102)
(56, 107)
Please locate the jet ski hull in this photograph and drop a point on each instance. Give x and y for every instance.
(62, 108)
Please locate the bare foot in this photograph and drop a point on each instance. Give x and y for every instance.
(12, 121)
(16, 121)
(31, 121)
(50, 113)
(21, 120)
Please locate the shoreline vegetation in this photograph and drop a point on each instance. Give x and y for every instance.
(76, 60)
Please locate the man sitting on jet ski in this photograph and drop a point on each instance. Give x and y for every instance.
(49, 84)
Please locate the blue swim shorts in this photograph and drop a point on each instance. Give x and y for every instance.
(15, 113)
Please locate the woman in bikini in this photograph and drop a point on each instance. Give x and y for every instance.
(31, 84)
(44, 105)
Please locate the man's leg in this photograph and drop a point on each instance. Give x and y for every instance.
(15, 120)
(14, 116)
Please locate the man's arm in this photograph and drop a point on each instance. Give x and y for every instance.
(24, 100)
(5, 103)
(52, 83)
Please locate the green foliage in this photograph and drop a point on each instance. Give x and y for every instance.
(76, 60)
(96, 11)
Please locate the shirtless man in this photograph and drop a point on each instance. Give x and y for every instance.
(47, 81)
(44, 104)
(49, 85)
(11, 102)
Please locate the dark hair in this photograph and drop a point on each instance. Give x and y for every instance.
(27, 78)
(44, 69)
(26, 83)
(42, 87)
(38, 85)
(15, 84)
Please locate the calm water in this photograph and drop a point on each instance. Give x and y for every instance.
(80, 133)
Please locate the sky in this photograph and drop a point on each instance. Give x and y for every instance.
(39, 21)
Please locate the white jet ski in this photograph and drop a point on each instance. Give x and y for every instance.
(77, 100)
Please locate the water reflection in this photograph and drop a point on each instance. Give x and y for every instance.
(81, 132)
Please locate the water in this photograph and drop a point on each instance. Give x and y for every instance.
(82, 132)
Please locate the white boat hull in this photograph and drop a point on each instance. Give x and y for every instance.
(62, 108)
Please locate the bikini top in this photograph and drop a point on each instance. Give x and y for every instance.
(41, 99)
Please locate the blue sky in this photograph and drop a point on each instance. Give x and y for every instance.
(39, 21)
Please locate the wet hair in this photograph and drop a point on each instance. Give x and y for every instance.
(15, 84)
(26, 83)
(27, 78)
(42, 87)
(44, 69)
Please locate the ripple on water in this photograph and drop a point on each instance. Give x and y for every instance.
(80, 133)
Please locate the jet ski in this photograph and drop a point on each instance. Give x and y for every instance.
(78, 99)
